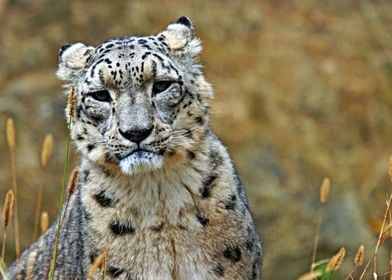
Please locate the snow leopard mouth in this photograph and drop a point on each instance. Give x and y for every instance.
(140, 159)
(138, 153)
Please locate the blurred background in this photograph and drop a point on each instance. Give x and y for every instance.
(303, 92)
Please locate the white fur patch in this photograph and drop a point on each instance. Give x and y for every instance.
(141, 161)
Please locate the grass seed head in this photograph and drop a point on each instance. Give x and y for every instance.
(10, 132)
(336, 261)
(44, 221)
(359, 256)
(72, 182)
(7, 211)
(324, 190)
(47, 148)
(71, 101)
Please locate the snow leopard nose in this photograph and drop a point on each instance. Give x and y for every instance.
(136, 135)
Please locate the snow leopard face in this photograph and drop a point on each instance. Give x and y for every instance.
(139, 103)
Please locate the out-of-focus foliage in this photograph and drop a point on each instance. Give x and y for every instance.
(303, 91)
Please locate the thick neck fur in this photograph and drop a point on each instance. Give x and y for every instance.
(148, 199)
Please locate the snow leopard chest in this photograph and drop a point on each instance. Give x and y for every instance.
(153, 231)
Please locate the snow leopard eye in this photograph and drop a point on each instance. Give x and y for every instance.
(161, 86)
(101, 95)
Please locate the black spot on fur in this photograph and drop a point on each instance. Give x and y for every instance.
(87, 215)
(93, 256)
(232, 253)
(142, 41)
(157, 228)
(63, 49)
(115, 271)
(119, 228)
(202, 219)
(145, 55)
(215, 159)
(230, 204)
(162, 151)
(219, 270)
(78, 111)
(249, 245)
(20, 273)
(86, 173)
(254, 271)
(103, 200)
(199, 120)
(205, 191)
(188, 133)
(90, 147)
(191, 155)
(185, 21)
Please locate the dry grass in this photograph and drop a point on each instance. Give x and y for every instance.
(11, 140)
(70, 113)
(7, 215)
(99, 263)
(46, 152)
(324, 269)
(336, 261)
(324, 194)
(44, 222)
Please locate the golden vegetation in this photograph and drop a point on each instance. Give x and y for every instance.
(44, 222)
(11, 140)
(7, 214)
(46, 152)
(336, 261)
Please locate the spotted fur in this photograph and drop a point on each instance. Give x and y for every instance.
(157, 188)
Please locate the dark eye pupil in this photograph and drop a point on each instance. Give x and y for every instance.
(160, 86)
(102, 95)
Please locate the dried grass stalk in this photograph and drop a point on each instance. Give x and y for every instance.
(11, 140)
(47, 148)
(71, 105)
(359, 256)
(8, 205)
(336, 261)
(72, 182)
(99, 263)
(7, 213)
(324, 193)
(379, 241)
(44, 221)
(71, 102)
(324, 190)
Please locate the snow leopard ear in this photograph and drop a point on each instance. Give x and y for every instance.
(180, 37)
(73, 58)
